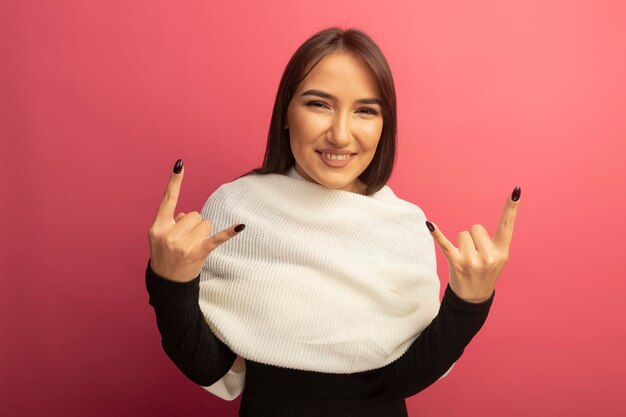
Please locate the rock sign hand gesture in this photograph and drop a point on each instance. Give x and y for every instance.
(179, 247)
(479, 260)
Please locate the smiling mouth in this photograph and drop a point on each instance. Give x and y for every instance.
(336, 157)
(337, 162)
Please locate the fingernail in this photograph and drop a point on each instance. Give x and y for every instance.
(239, 227)
(430, 226)
(516, 193)
(178, 166)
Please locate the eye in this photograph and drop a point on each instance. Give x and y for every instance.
(316, 104)
(369, 111)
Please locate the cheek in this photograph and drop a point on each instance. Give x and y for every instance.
(302, 131)
(307, 122)
(370, 132)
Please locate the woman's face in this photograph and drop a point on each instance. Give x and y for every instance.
(336, 109)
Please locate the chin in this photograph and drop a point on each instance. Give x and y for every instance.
(336, 184)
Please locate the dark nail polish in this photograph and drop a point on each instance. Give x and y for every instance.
(516, 193)
(430, 226)
(240, 227)
(178, 166)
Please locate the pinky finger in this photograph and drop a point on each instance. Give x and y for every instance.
(212, 242)
(449, 250)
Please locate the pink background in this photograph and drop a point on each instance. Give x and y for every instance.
(99, 98)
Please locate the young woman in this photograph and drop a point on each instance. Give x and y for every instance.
(328, 303)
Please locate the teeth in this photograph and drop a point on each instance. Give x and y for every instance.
(337, 157)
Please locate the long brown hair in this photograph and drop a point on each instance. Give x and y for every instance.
(278, 155)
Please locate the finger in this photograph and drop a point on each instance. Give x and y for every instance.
(481, 239)
(217, 239)
(179, 216)
(186, 224)
(504, 234)
(201, 231)
(165, 213)
(449, 250)
(466, 245)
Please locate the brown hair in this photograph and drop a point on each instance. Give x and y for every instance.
(278, 156)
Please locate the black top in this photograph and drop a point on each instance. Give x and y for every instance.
(280, 392)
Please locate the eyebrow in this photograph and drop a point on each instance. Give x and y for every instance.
(323, 94)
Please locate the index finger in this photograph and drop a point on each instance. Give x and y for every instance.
(504, 234)
(167, 206)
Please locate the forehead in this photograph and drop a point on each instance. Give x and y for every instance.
(342, 73)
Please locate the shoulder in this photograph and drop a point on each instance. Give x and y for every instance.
(387, 194)
(246, 180)
(244, 186)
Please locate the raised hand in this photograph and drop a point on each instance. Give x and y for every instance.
(476, 265)
(179, 247)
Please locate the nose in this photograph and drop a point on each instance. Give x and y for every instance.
(339, 133)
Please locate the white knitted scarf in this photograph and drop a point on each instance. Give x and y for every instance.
(319, 280)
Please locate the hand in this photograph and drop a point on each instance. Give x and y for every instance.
(476, 266)
(239, 365)
(179, 247)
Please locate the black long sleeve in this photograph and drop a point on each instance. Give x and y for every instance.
(439, 345)
(185, 335)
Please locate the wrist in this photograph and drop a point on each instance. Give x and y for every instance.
(475, 299)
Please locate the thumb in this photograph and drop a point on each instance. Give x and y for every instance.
(449, 250)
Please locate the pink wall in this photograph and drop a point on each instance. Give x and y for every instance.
(99, 98)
